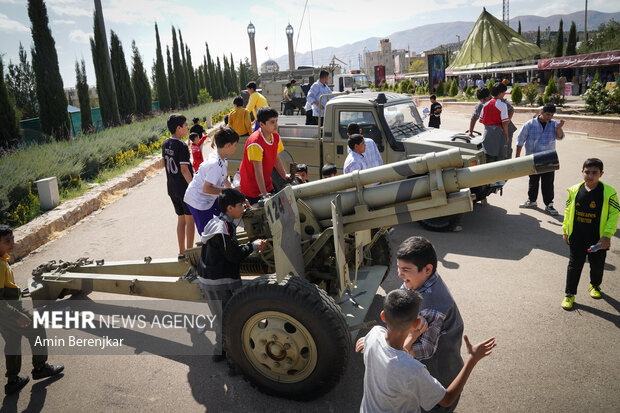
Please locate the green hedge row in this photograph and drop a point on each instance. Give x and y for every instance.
(81, 158)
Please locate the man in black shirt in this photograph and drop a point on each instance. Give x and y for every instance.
(175, 156)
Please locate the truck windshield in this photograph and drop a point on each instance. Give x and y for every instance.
(403, 119)
(361, 82)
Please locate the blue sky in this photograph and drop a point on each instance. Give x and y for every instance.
(223, 24)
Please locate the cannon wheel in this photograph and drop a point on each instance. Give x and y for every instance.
(439, 223)
(289, 339)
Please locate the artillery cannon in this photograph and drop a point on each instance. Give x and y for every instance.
(290, 327)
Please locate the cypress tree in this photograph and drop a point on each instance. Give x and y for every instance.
(559, 41)
(538, 37)
(50, 90)
(205, 74)
(243, 75)
(200, 78)
(9, 129)
(161, 86)
(122, 81)
(186, 72)
(235, 78)
(220, 80)
(81, 86)
(107, 97)
(519, 31)
(226, 76)
(172, 87)
(571, 45)
(140, 83)
(212, 75)
(192, 77)
(22, 86)
(179, 72)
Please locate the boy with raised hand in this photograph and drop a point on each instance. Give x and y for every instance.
(590, 219)
(16, 322)
(260, 156)
(394, 381)
(175, 156)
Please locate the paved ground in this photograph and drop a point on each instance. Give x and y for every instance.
(506, 271)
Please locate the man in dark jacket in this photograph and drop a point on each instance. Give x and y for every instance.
(221, 254)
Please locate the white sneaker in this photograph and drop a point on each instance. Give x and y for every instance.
(528, 204)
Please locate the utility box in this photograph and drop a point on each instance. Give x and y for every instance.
(48, 192)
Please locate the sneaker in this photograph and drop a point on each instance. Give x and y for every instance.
(568, 302)
(551, 210)
(181, 257)
(595, 291)
(528, 204)
(15, 386)
(46, 371)
(484, 202)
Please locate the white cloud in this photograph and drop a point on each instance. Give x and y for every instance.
(66, 9)
(11, 26)
(63, 21)
(79, 36)
(14, 1)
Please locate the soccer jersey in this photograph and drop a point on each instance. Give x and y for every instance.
(588, 207)
(257, 148)
(175, 154)
(213, 171)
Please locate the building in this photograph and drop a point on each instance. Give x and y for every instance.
(395, 61)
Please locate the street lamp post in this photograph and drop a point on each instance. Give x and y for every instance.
(251, 32)
(291, 51)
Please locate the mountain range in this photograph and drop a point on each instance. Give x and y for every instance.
(429, 36)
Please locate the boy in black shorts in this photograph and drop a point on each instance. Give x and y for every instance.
(175, 156)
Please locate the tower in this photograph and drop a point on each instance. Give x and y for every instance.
(291, 52)
(505, 14)
(251, 32)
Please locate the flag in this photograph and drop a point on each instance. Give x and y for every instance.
(266, 47)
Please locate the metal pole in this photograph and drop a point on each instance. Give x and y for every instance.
(99, 13)
(585, 24)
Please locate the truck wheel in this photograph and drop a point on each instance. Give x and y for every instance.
(381, 254)
(289, 339)
(439, 223)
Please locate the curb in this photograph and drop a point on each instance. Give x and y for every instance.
(43, 228)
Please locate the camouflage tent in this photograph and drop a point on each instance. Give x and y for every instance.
(491, 42)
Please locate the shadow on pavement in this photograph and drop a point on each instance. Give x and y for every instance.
(38, 394)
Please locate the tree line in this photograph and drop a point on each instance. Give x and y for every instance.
(36, 90)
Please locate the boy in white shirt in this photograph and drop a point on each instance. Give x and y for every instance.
(211, 177)
(355, 159)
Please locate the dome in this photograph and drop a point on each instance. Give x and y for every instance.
(269, 66)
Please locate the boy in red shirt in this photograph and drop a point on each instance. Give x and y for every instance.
(260, 156)
(495, 119)
(196, 148)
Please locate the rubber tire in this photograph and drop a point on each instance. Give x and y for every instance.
(309, 305)
(439, 223)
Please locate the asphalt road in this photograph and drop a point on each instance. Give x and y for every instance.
(506, 271)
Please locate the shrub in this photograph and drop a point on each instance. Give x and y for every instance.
(204, 97)
(550, 90)
(440, 89)
(531, 92)
(516, 95)
(600, 100)
(469, 92)
(490, 84)
(454, 88)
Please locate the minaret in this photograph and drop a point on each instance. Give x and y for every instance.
(251, 31)
(291, 52)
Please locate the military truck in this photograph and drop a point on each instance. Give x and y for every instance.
(390, 119)
(289, 329)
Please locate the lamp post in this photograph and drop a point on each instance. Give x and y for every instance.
(291, 52)
(251, 32)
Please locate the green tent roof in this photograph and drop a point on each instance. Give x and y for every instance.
(491, 42)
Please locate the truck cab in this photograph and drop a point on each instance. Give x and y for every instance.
(350, 82)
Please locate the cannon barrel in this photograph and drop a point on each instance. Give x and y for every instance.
(387, 173)
(420, 187)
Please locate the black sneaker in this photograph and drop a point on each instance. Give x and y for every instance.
(181, 257)
(46, 371)
(15, 386)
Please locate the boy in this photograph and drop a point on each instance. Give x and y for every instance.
(15, 322)
(396, 382)
(439, 347)
(590, 218)
(495, 118)
(197, 128)
(355, 160)
(255, 102)
(329, 170)
(301, 175)
(260, 156)
(484, 95)
(372, 154)
(435, 114)
(239, 118)
(175, 157)
(221, 254)
(196, 145)
(211, 178)
(538, 135)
